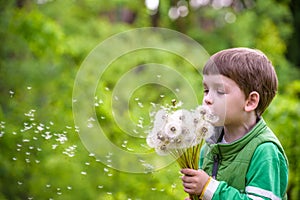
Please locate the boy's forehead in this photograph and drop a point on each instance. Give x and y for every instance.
(213, 78)
(217, 80)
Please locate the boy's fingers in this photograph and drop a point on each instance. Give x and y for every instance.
(189, 172)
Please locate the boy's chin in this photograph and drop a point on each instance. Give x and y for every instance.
(218, 123)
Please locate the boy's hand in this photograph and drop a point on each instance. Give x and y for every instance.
(193, 180)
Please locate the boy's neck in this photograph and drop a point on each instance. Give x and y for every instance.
(233, 133)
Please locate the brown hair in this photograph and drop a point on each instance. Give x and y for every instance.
(250, 69)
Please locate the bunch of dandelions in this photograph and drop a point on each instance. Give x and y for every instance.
(181, 133)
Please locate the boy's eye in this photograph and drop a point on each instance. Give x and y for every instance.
(205, 91)
(220, 92)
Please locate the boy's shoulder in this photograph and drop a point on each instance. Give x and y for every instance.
(267, 144)
(267, 150)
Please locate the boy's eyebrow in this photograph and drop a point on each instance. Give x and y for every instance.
(214, 84)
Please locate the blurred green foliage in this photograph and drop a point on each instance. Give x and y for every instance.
(42, 46)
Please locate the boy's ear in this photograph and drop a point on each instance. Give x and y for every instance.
(252, 101)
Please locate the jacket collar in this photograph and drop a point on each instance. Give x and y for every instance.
(228, 149)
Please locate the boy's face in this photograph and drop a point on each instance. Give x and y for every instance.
(224, 97)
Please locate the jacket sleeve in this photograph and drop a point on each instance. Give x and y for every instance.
(267, 178)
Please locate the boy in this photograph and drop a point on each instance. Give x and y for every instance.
(243, 159)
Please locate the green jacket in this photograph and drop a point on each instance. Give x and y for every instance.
(253, 167)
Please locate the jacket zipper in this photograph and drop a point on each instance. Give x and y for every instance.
(215, 166)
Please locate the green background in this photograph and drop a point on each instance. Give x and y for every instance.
(43, 44)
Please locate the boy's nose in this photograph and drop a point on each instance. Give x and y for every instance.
(207, 100)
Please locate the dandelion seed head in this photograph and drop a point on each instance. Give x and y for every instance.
(173, 129)
(179, 129)
(162, 150)
(160, 136)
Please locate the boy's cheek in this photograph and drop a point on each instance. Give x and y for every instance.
(221, 117)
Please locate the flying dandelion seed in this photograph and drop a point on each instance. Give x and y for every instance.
(91, 154)
(2, 124)
(130, 149)
(90, 125)
(148, 167)
(106, 170)
(135, 131)
(61, 138)
(140, 105)
(11, 93)
(40, 127)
